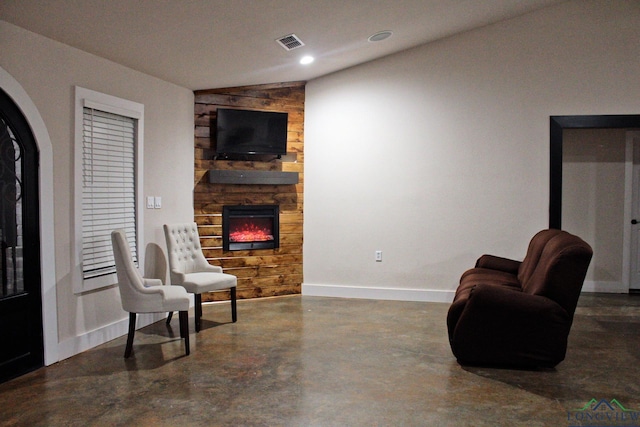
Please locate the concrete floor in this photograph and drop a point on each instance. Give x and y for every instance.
(311, 361)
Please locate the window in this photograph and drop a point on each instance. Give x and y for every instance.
(108, 148)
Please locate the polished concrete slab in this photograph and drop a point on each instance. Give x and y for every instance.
(312, 361)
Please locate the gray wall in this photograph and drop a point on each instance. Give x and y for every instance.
(441, 153)
(593, 197)
(48, 72)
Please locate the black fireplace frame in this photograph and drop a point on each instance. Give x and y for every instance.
(250, 211)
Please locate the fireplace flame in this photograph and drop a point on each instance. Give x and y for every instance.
(250, 232)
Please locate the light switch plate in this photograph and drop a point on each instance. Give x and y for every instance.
(150, 202)
(158, 202)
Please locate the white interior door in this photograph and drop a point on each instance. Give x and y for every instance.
(634, 278)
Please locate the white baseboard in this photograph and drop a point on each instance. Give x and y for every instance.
(604, 287)
(425, 295)
(397, 294)
(88, 340)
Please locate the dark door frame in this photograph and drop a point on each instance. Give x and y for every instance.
(557, 125)
(29, 354)
(14, 89)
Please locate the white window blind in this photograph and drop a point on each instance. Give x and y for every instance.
(108, 187)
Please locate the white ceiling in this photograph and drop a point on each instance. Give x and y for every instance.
(206, 44)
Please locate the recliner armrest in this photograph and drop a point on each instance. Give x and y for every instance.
(501, 325)
(512, 303)
(493, 262)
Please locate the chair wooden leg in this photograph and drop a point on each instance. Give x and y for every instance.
(234, 310)
(169, 317)
(184, 329)
(132, 331)
(198, 310)
(180, 325)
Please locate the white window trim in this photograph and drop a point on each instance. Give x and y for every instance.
(111, 104)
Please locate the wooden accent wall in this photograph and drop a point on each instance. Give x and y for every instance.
(267, 272)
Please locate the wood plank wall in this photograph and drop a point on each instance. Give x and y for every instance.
(267, 272)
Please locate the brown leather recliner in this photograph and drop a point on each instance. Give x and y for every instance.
(518, 314)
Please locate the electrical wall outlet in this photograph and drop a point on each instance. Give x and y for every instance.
(378, 256)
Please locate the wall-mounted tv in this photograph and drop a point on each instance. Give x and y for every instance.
(245, 132)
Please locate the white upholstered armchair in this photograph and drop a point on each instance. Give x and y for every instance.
(189, 268)
(140, 295)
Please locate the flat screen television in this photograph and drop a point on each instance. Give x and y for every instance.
(243, 132)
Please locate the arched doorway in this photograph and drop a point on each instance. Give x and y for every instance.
(20, 290)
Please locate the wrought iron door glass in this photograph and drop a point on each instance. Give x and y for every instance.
(10, 212)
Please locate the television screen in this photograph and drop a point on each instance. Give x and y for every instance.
(251, 132)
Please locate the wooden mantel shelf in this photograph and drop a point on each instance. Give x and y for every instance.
(217, 176)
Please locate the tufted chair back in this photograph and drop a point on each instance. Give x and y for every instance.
(129, 279)
(184, 250)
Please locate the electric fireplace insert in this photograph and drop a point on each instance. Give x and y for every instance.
(246, 227)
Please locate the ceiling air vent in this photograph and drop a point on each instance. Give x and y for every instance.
(290, 42)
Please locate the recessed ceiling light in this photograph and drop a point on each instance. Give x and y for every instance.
(306, 60)
(380, 35)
